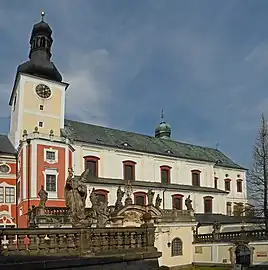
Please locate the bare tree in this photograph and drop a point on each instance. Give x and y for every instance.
(258, 174)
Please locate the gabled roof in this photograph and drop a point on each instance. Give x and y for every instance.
(6, 146)
(99, 135)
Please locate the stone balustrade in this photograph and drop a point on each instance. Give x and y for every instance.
(231, 236)
(73, 241)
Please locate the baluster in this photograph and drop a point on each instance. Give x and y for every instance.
(42, 244)
(70, 243)
(61, 243)
(133, 239)
(120, 240)
(53, 248)
(21, 246)
(33, 244)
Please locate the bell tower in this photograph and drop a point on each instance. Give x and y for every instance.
(38, 95)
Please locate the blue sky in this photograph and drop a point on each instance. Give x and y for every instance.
(204, 62)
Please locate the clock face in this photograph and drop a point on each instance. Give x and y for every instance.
(43, 91)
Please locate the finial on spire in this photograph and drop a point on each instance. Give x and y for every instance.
(162, 115)
(42, 15)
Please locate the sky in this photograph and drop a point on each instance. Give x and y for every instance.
(205, 63)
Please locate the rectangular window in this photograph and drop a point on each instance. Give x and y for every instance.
(50, 155)
(177, 203)
(164, 176)
(10, 194)
(1, 194)
(229, 208)
(51, 183)
(239, 186)
(40, 124)
(18, 189)
(41, 107)
(215, 182)
(140, 200)
(196, 179)
(91, 165)
(128, 172)
(208, 206)
(227, 185)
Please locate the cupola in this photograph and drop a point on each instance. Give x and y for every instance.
(163, 130)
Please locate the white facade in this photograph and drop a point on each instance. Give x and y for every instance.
(147, 169)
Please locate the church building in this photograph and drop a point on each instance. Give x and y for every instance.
(42, 145)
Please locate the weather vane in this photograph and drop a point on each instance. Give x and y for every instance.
(162, 115)
(43, 15)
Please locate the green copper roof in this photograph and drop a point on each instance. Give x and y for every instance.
(93, 134)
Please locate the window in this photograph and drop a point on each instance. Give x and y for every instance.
(92, 164)
(215, 182)
(41, 107)
(196, 178)
(10, 194)
(208, 205)
(176, 247)
(140, 198)
(165, 174)
(50, 155)
(129, 170)
(102, 195)
(18, 189)
(229, 208)
(227, 183)
(51, 183)
(239, 185)
(177, 200)
(40, 124)
(1, 194)
(4, 168)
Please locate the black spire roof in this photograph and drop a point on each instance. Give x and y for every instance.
(40, 54)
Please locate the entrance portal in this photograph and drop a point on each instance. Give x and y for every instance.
(243, 255)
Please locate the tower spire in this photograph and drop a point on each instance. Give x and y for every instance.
(162, 115)
(42, 16)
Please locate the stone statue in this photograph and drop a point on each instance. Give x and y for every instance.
(150, 196)
(103, 214)
(43, 195)
(188, 203)
(75, 197)
(216, 227)
(158, 201)
(120, 195)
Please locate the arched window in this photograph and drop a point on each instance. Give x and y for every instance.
(129, 170)
(165, 174)
(102, 194)
(176, 247)
(140, 198)
(196, 178)
(92, 163)
(177, 201)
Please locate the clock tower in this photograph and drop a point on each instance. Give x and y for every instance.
(38, 97)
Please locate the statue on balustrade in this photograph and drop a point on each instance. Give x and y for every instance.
(75, 197)
(120, 195)
(158, 201)
(216, 227)
(188, 204)
(43, 195)
(150, 196)
(100, 210)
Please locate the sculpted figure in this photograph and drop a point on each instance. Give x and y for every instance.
(216, 227)
(188, 203)
(102, 214)
(43, 197)
(120, 195)
(158, 201)
(75, 197)
(150, 196)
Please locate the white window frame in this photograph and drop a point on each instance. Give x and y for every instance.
(38, 124)
(3, 173)
(51, 171)
(10, 195)
(3, 194)
(49, 160)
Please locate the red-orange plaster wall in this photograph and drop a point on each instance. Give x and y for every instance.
(60, 166)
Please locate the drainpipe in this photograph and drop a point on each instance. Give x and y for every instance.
(164, 198)
(28, 169)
